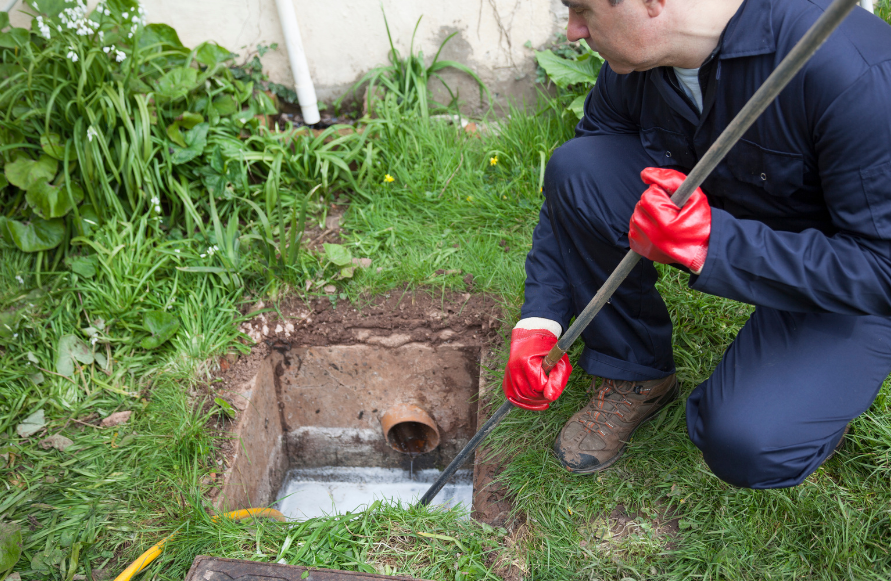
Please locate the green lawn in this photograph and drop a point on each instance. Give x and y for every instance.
(114, 492)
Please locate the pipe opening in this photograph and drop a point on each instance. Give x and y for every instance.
(410, 430)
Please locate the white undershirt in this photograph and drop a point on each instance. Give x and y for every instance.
(689, 79)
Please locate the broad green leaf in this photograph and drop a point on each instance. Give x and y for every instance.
(52, 201)
(339, 255)
(4, 22)
(32, 424)
(15, 38)
(187, 120)
(37, 235)
(225, 105)
(210, 54)
(565, 72)
(162, 325)
(53, 146)
(3, 181)
(50, 7)
(176, 83)
(119, 6)
(347, 271)
(195, 141)
(70, 349)
(10, 541)
(160, 36)
(24, 172)
(577, 107)
(84, 266)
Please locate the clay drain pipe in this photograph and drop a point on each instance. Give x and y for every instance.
(764, 96)
(409, 429)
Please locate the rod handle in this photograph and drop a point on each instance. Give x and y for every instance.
(552, 358)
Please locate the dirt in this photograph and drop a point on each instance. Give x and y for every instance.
(612, 530)
(394, 319)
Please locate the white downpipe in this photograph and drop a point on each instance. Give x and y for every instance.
(306, 92)
(867, 5)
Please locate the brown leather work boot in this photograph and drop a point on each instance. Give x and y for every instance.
(595, 436)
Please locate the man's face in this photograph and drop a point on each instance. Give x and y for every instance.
(624, 34)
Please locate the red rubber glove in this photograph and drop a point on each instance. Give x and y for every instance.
(664, 233)
(525, 384)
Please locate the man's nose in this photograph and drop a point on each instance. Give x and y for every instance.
(577, 28)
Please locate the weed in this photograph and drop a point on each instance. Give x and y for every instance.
(407, 81)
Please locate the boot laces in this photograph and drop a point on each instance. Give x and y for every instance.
(607, 403)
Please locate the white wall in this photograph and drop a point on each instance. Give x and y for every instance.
(345, 38)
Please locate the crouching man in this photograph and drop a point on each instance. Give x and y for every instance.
(796, 220)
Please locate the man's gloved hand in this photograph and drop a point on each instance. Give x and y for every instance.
(525, 384)
(664, 233)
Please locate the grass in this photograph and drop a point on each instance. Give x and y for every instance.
(116, 491)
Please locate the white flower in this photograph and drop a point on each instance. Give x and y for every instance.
(202, 255)
(155, 200)
(72, 56)
(125, 15)
(19, 279)
(176, 250)
(119, 55)
(105, 49)
(43, 27)
(91, 133)
(94, 340)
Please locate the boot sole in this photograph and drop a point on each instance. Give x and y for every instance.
(614, 459)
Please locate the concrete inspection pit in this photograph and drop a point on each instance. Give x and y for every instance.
(338, 406)
(329, 429)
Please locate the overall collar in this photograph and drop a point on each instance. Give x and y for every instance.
(749, 32)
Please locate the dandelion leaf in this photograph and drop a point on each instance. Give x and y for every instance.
(338, 254)
(25, 172)
(162, 326)
(70, 349)
(50, 201)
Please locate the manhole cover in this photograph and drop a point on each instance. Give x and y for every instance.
(216, 569)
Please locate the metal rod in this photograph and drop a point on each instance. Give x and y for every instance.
(775, 83)
(464, 453)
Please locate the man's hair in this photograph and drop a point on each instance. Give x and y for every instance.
(615, 2)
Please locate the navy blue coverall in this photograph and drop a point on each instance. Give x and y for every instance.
(801, 228)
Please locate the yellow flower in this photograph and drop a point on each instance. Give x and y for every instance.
(493, 160)
(469, 198)
(388, 178)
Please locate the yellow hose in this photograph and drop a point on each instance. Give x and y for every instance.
(147, 557)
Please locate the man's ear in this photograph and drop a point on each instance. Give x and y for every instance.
(654, 7)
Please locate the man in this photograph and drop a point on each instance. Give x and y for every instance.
(795, 220)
